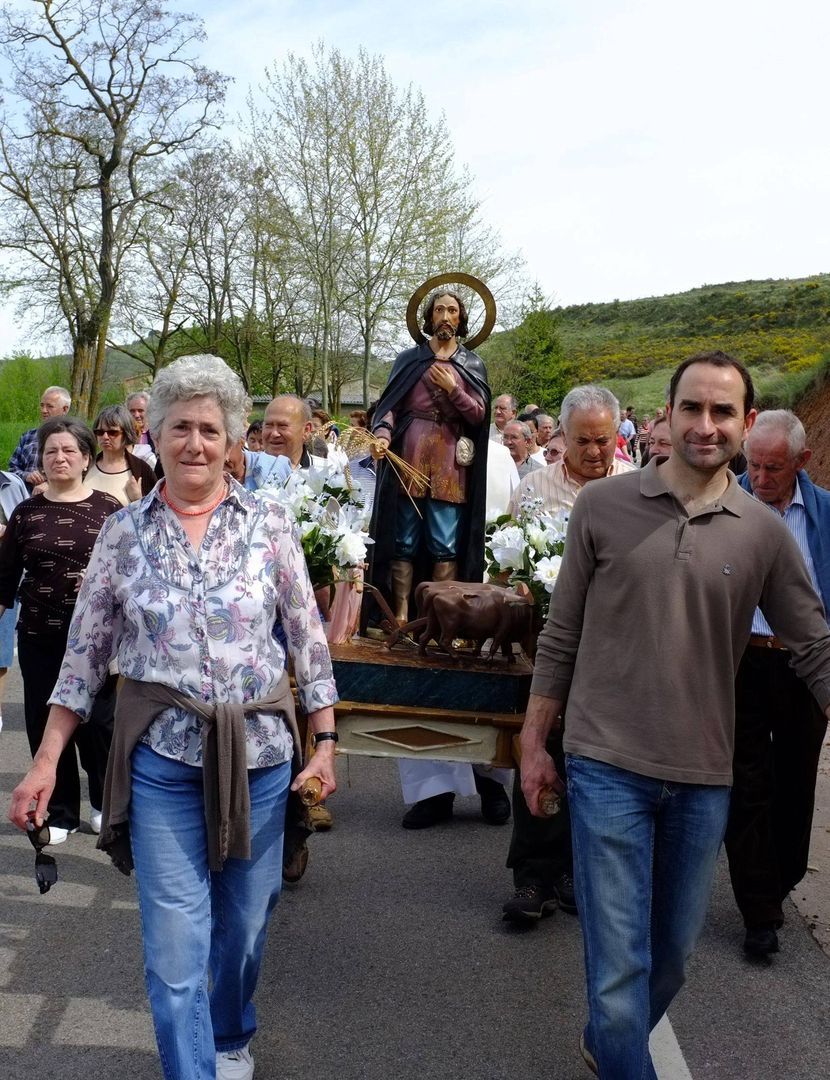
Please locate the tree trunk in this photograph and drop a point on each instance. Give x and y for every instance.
(367, 355)
(100, 368)
(84, 356)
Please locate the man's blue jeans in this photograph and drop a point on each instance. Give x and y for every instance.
(195, 922)
(644, 860)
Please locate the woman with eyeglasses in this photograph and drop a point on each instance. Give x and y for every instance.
(43, 557)
(116, 470)
(185, 587)
(555, 449)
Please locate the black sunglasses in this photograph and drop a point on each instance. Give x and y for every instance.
(112, 432)
(46, 869)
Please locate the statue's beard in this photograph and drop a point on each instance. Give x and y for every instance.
(445, 332)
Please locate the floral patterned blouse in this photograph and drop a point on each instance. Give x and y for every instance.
(199, 621)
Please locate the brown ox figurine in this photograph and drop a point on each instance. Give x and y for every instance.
(474, 611)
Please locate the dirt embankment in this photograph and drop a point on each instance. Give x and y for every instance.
(814, 412)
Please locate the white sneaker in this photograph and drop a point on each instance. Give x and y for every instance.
(95, 819)
(57, 835)
(235, 1065)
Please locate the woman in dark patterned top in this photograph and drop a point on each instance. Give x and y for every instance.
(43, 557)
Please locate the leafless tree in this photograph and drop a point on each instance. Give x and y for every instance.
(102, 89)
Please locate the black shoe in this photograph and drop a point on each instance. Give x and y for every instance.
(429, 812)
(564, 888)
(495, 804)
(760, 941)
(294, 865)
(528, 903)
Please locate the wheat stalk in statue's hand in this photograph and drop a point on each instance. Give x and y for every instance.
(414, 482)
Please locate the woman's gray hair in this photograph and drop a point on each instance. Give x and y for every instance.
(117, 416)
(200, 376)
(589, 398)
(783, 422)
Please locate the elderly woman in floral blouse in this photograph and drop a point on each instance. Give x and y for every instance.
(183, 588)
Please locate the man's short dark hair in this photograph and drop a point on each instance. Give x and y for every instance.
(255, 428)
(80, 432)
(463, 317)
(717, 359)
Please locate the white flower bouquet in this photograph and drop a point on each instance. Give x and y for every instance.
(527, 548)
(329, 510)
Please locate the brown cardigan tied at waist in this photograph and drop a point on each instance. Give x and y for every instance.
(224, 765)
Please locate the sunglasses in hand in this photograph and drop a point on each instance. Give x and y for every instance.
(46, 869)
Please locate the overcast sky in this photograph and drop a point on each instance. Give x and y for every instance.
(626, 148)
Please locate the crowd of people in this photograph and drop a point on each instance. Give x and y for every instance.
(160, 600)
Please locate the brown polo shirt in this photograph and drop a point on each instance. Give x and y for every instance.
(650, 616)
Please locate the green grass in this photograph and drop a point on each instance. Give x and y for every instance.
(646, 393)
(774, 388)
(10, 432)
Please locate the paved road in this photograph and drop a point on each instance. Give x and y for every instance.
(389, 960)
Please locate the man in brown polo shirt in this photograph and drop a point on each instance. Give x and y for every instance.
(648, 788)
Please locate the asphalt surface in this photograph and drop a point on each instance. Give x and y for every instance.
(389, 959)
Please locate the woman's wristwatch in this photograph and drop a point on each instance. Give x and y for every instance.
(321, 736)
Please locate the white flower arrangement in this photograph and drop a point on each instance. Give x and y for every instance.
(528, 548)
(329, 510)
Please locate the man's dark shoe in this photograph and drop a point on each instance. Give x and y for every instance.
(495, 804)
(529, 903)
(564, 887)
(760, 941)
(429, 812)
(294, 863)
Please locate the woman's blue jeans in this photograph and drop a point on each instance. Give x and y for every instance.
(196, 923)
(644, 860)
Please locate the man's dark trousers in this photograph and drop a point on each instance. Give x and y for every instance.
(779, 730)
(540, 848)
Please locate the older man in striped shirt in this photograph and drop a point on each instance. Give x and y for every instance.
(589, 420)
(779, 728)
(540, 848)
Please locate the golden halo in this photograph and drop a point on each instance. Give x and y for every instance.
(451, 279)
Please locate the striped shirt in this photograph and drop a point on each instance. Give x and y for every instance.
(795, 518)
(555, 487)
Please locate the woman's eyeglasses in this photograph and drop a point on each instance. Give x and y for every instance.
(112, 432)
(46, 869)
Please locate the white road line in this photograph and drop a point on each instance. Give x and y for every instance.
(20, 1014)
(666, 1054)
(95, 1022)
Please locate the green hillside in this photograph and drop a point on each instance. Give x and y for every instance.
(779, 328)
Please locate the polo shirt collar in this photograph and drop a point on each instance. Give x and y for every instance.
(652, 484)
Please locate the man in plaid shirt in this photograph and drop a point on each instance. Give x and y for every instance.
(25, 461)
